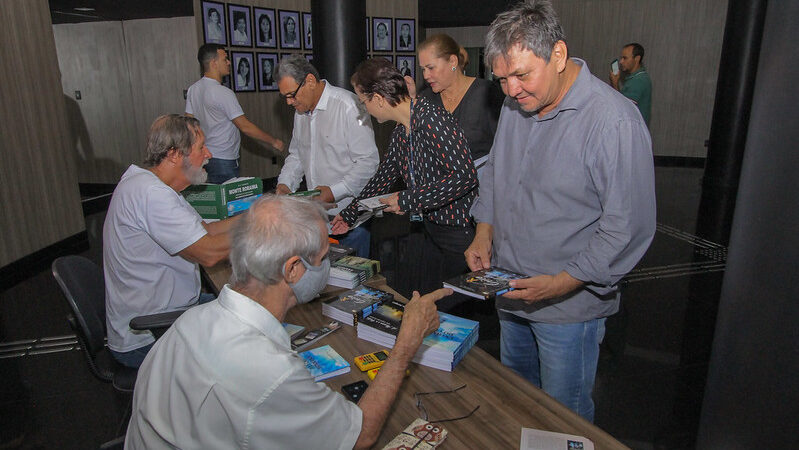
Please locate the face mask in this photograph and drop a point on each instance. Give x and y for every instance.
(312, 281)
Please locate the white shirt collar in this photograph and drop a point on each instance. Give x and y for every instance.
(253, 314)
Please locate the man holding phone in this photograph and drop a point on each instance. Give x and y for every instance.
(636, 84)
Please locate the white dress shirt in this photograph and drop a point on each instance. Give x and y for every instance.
(224, 376)
(334, 146)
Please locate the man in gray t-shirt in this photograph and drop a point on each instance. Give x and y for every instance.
(566, 197)
(153, 239)
(220, 115)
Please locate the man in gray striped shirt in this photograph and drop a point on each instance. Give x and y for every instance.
(567, 197)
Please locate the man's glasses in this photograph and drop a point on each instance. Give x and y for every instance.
(423, 411)
(293, 94)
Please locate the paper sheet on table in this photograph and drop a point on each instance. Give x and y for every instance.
(533, 439)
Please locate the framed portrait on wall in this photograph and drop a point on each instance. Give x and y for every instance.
(368, 32)
(242, 72)
(266, 71)
(407, 65)
(406, 35)
(240, 25)
(307, 37)
(265, 35)
(381, 34)
(214, 23)
(289, 29)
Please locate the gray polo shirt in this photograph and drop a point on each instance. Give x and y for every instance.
(573, 190)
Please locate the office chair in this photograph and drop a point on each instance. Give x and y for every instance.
(83, 285)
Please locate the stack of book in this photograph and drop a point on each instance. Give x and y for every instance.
(352, 306)
(443, 349)
(349, 271)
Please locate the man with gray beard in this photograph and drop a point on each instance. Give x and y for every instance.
(153, 239)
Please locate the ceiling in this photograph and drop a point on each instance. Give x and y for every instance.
(432, 14)
(63, 11)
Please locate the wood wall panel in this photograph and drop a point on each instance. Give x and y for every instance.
(38, 185)
(682, 40)
(162, 61)
(92, 60)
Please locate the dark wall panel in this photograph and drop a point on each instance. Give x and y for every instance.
(752, 394)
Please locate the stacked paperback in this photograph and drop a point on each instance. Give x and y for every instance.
(352, 306)
(324, 362)
(443, 349)
(349, 271)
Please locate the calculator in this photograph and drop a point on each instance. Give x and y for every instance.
(371, 360)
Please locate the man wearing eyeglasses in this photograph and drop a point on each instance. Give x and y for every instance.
(332, 144)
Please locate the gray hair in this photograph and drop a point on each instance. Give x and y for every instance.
(276, 228)
(296, 67)
(170, 132)
(532, 24)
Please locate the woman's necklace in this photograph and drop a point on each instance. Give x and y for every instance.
(452, 100)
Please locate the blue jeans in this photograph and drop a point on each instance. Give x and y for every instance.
(135, 357)
(358, 239)
(221, 170)
(561, 359)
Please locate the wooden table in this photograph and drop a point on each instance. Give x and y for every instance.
(507, 401)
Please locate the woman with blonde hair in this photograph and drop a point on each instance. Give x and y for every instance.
(475, 102)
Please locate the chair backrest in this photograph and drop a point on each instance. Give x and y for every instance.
(83, 285)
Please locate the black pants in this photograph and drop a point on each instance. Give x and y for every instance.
(434, 253)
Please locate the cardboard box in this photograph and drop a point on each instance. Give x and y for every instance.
(211, 200)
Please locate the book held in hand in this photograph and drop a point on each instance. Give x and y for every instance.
(324, 362)
(483, 284)
(352, 306)
(373, 203)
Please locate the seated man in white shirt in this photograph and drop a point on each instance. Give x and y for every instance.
(153, 239)
(332, 144)
(224, 375)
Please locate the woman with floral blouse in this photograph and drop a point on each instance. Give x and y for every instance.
(429, 153)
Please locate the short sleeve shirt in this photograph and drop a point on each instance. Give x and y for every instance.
(215, 106)
(146, 226)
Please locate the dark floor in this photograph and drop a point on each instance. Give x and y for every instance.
(649, 375)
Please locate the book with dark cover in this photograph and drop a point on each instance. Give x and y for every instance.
(483, 284)
(324, 362)
(385, 320)
(338, 251)
(443, 349)
(352, 306)
(313, 336)
(371, 266)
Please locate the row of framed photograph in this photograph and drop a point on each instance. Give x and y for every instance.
(248, 26)
(245, 79)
